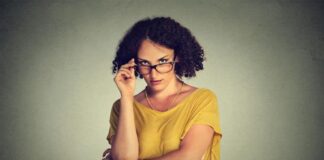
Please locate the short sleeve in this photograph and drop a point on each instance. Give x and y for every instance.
(113, 120)
(205, 111)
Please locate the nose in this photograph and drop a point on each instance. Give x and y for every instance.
(154, 72)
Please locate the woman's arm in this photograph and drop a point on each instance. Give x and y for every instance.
(193, 146)
(125, 143)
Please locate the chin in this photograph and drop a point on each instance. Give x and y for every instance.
(158, 87)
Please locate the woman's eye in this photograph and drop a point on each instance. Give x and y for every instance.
(143, 63)
(163, 61)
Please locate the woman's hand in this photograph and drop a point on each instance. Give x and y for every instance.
(125, 78)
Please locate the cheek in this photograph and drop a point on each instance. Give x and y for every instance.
(146, 78)
(170, 75)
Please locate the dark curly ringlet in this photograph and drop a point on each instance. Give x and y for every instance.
(166, 32)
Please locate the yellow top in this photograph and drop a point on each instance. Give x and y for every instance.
(161, 132)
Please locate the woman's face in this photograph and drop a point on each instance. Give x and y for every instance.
(151, 53)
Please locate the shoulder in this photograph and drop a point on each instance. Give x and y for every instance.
(139, 96)
(197, 94)
(204, 102)
(115, 106)
(204, 97)
(116, 103)
(207, 90)
(206, 93)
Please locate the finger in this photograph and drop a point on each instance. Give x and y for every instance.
(125, 70)
(123, 75)
(130, 63)
(131, 60)
(128, 66)
(130, 70)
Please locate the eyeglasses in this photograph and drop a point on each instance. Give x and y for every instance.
(161, 68)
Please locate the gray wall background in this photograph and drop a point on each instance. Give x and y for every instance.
(265, 62)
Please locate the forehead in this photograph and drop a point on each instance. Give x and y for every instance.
(152, 51)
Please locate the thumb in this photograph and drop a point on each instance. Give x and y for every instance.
(132, 71)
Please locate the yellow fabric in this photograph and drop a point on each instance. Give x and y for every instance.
(161, 132)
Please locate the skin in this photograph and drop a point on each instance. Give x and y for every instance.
(163, 93)
(197, 139)
(126, 137)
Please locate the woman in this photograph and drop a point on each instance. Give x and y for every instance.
(168, 119)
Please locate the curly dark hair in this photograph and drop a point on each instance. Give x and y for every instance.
(167, 32)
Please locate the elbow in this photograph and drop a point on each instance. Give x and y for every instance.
(189, 155)
(124, 156)
(124, 153)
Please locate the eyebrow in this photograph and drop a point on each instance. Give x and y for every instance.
(158, 59)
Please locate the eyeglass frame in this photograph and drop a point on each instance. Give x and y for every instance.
(154, 67)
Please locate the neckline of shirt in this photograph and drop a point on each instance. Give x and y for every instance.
(174, 107)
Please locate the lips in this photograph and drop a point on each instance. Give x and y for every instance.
(155, 81)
